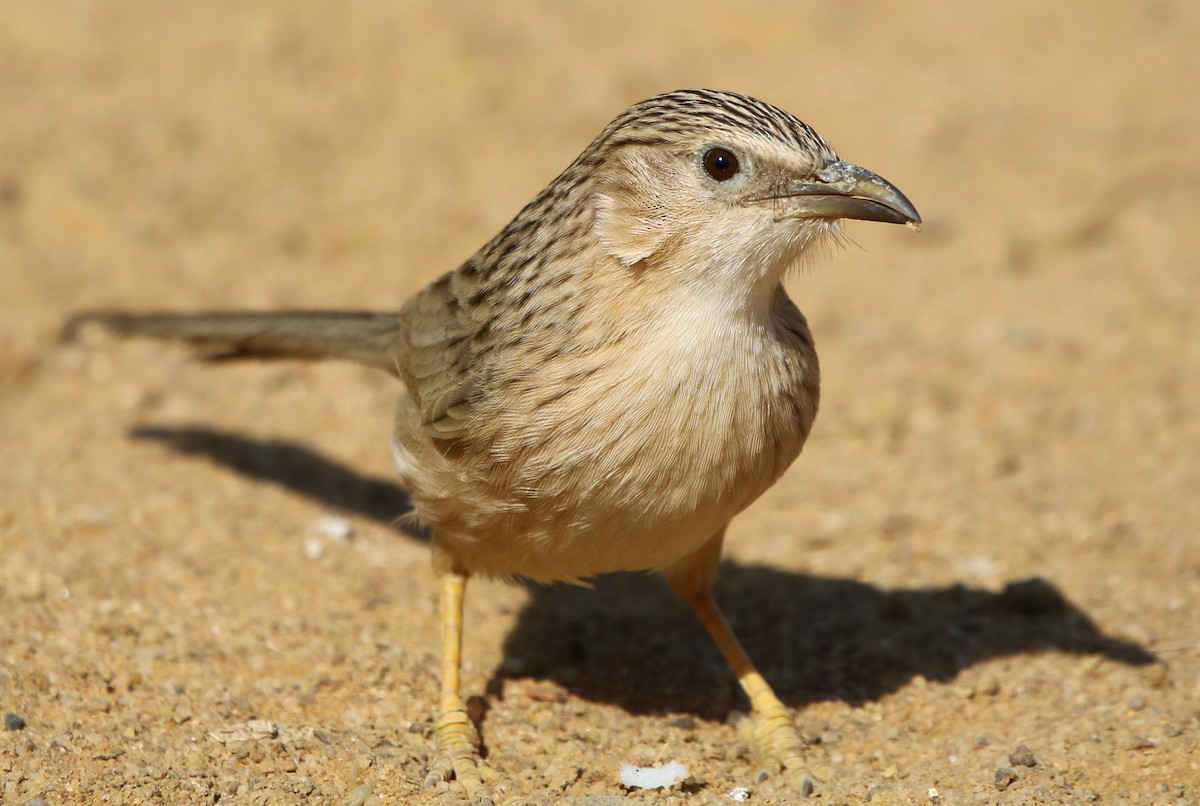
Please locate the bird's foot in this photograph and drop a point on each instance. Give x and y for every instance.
(773, 740)
(458, 756)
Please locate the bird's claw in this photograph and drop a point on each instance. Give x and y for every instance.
(458, 757)
(773, 741)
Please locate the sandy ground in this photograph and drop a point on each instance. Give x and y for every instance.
(991, 540)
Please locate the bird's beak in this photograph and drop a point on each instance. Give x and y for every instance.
(844, 190)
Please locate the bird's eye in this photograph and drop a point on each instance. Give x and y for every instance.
(721, 164)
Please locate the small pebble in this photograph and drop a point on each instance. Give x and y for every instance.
(1004, 778)
(1141, 743)
(739, 795)
(1022, 757)
(807, 787)
(314, 548)
(14, 722)
(335, 527)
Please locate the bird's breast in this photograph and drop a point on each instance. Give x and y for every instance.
(628, 455)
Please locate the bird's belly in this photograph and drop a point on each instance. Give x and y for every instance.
(621, 476)
(645, 519)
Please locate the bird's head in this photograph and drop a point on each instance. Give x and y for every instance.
(722, 187)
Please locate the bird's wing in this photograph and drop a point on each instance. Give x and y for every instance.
(436, 360)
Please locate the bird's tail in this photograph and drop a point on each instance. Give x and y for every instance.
(365, 337)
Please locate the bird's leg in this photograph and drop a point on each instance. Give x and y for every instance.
(769, 732)
(457, 739)
(772, 734)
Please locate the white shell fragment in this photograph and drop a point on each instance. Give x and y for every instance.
(661, 777)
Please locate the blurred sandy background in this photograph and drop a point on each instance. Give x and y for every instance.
(990, 541)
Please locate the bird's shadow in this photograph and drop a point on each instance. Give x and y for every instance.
(630, 642)
(297, 468)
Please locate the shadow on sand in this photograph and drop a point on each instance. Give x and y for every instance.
(630, 642)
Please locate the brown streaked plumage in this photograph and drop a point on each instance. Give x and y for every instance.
(610, 379)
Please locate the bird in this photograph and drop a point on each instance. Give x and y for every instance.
(610, 379)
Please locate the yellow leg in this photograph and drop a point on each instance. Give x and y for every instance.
(769, 732)
(457, 740)
(772, 734)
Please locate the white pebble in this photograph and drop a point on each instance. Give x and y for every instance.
(335, 527)
(739, 795)
(314, 548)
(662, 777)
